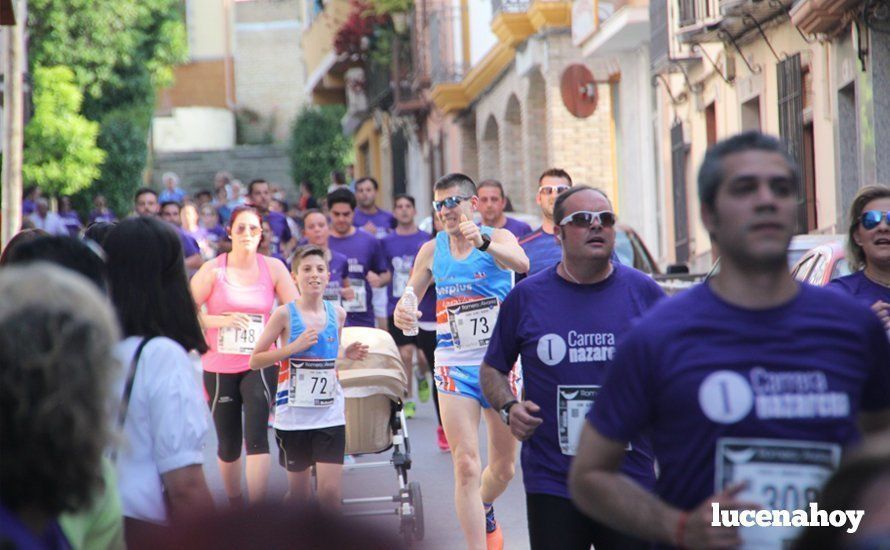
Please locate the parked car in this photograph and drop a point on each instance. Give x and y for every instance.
(801, 244)
(821, 264)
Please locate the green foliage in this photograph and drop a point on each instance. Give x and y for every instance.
(392, 6)
(60, 154)
(121, 52)
(318, 146)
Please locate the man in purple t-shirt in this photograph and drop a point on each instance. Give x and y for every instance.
(377, 222)
(540, 245)
(367, 266)
(170, 213)
(260, 196)
(751, 385)
(492, 202)
(564, 360)
(399, 249)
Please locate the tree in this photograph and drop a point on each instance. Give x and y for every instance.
(318, 146)
(61, 155)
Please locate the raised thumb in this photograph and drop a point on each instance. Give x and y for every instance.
(464, 218)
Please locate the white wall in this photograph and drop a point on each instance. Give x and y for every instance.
(194, 129)
(481, 38)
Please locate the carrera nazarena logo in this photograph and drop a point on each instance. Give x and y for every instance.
(580, 347)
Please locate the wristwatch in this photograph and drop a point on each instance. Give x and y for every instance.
(486, 240)
(505, 411)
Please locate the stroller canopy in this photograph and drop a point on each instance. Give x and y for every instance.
(380, 373)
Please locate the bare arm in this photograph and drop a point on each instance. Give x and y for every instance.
(194, 262)
(505, 250)
(278, 326)
(201, 287)
(420, 280)
(285, 289)
(187, 491)
(496, 387)
(874, 422)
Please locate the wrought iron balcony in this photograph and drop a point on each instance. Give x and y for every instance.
(446, 45)
(509, 6)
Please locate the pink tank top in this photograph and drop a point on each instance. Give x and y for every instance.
(257, 299)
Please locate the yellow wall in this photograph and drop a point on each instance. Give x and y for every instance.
(318, 39)
(207, 28)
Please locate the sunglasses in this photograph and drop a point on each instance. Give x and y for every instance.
(872, 218)
(585, 219)
(252, 230)
(450, 202)
(552, 189)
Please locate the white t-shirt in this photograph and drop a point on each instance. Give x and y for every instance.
(52, 224)
(165, 426)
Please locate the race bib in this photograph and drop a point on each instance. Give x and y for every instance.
(311, 383)
(572, 405)
(237, 341)
(781, 475)
(359, 304)
(472, 323)
(400, 283)
(332, 293)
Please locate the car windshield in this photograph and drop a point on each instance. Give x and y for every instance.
(794, 256)
(624, 248)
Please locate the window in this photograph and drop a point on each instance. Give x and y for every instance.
(679, 159)
(751, 115)
(790, 87)
(711, 123)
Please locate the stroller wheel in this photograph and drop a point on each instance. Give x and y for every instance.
(416, 499)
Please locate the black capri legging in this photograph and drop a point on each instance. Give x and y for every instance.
(226, 394)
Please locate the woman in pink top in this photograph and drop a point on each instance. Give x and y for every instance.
(239, 290)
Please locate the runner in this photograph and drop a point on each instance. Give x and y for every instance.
(472, 271)
(564, 359)
(367, 266)
(377, 222)
(751, 385)
(868, 244)
(239, 289)
(310, 410)
(69, 216)
(260, 196)
(399, 249)
(100, 212)
(145, 202)
(317, 232)
(492, 202)
(171, 192)
(171, 212)
(540, 246)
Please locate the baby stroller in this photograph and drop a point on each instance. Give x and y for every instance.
(375, 423)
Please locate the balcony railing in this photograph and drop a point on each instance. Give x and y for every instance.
(377, 85)
(509, 6)
(693, 12)
(446, 45)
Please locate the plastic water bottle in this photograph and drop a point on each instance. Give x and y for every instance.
(409, 301)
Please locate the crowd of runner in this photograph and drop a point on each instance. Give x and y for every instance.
(642, 419)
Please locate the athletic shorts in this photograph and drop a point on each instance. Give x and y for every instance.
(464, 381)
(555, 524)
(398, 335)
(380, 299)
(299, 449)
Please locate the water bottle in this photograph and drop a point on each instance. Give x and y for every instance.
(409, 302)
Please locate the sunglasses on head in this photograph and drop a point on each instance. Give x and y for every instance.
(450, 202)
(872, 218)
(585, 219)
(553, 189)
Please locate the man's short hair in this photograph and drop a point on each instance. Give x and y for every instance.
(254, 182)
(170, 176)
(559, 208)
(203, 193)
(341, 195)
(165, 204)
(492, 183)
(142, 191)
(455, 179)
(367, 178)
(711, 175)
(304, 252)
(405, 196)
(555, 173)
(338, 178)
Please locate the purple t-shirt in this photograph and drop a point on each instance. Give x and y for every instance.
(862, 288)
(338, 267)
(542, 249)
(518, 228)
(189, 244)
(399, 251)
(28, 207)
(702, 375)
(364, 254)
(384, 221)
(564, 362)
(280, 231)
(71, 221)
(107, 216)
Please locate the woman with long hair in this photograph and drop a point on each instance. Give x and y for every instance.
(239, 289)
(160, 463)
(868, 251)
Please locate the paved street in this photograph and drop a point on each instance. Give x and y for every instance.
(431, 468)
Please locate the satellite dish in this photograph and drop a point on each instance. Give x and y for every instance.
(578, 89)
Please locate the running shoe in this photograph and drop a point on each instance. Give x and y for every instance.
(348, 459)
(494, 536)
(409, 409)
(423, 389)
(442, 440)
